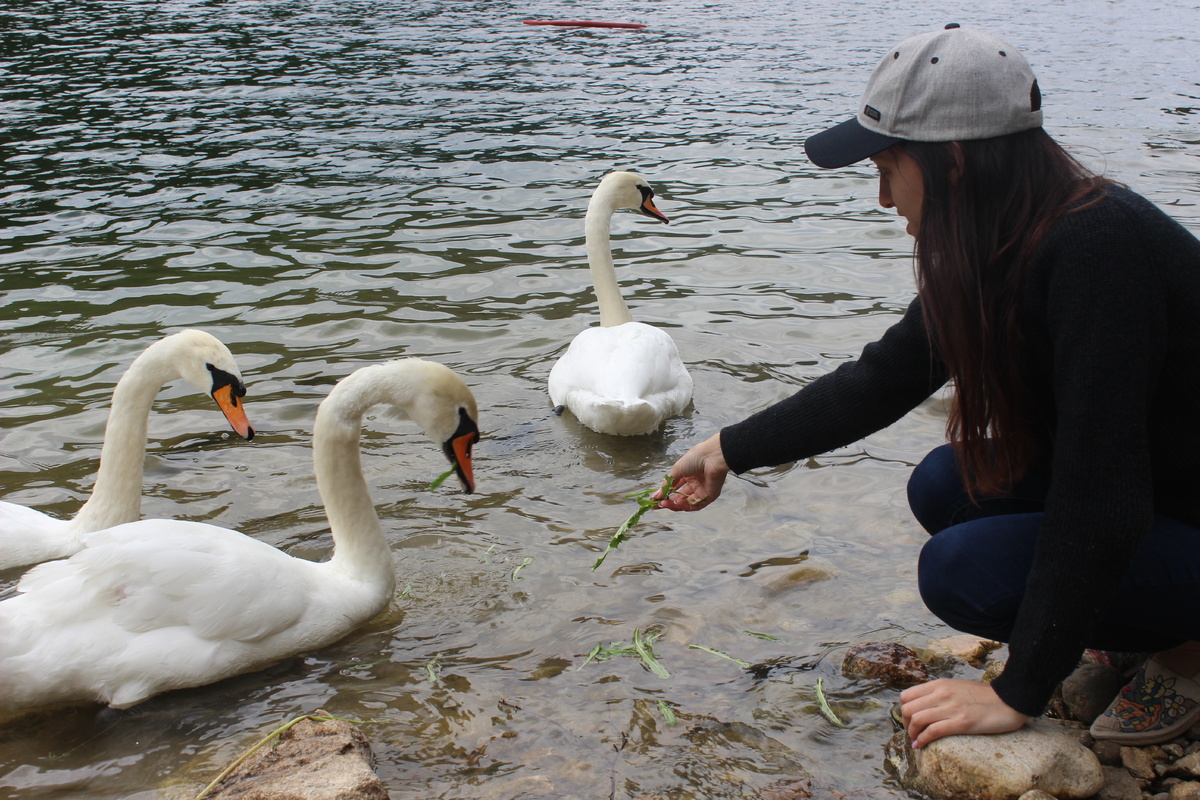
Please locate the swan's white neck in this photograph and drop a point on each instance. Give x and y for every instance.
(360, 548)
(117, 494)
(597, 224)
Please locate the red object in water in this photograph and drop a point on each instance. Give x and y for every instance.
(583, 23)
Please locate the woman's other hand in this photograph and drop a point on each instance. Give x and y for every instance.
(699, 476)
(947, 707)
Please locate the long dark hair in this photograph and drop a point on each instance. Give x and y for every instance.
(987, 205)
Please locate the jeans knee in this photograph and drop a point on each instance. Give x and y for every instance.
(935, 492)
(950, 584)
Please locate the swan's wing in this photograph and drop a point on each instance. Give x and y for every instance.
(156, 574)
(28, 536)
(624, 362)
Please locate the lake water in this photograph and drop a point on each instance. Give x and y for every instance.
(325, 185)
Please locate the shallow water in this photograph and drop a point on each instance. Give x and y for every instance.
(325, 185)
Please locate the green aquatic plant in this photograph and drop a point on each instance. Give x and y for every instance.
(440, 479)
(719, 654)
(528, 560)
(645, 503)
(825, 709)
(642, 647)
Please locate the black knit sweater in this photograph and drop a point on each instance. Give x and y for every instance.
(1110, 322)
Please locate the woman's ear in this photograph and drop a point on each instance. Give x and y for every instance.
(959, 165)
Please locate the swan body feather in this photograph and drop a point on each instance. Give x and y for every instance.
(28, 536)
(621, 377)
(155, 605)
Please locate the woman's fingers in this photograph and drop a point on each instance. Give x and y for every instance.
(948, 707)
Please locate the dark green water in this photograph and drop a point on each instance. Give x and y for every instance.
(325, 185)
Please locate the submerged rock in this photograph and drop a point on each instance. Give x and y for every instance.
(889, 662)
(324, 759)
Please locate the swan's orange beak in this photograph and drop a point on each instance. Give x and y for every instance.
(234, 411)
(650, 210)
(461, 447)
(458, 450)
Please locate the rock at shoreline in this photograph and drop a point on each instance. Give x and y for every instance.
(1000, 766)
(327, 759)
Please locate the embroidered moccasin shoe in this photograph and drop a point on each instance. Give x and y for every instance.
(1156, 706)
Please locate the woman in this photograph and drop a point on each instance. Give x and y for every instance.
(1065, 311)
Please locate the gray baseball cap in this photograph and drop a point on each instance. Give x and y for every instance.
(950, 85)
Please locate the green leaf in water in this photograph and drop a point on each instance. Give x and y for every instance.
(825, 709)
(528, 560)
(719, 654)
(667, 712)
(766, 636)
(431, 669)
(645, 649)
(644, 505)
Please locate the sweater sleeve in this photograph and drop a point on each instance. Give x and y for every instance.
(1105, 316)
(892, 376)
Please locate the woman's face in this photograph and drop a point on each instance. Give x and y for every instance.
(901, 185)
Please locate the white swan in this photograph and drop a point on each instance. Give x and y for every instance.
(28, 536)
(156, 605)
(622, 377)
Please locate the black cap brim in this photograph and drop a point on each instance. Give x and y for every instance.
(844, 144)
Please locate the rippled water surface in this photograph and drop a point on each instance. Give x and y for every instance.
(325, 185)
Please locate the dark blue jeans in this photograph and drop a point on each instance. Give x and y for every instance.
(972, 571)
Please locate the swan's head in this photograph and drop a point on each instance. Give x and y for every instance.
(430, 394)
(206, 363)
(627, 190)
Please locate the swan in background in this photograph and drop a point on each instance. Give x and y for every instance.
(28, 536)
(156, 605)
(622, 377)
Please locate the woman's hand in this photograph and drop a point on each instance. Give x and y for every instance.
(699, 476)
(947, 707)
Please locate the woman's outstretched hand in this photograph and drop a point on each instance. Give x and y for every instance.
(698, 477)
(947, 707)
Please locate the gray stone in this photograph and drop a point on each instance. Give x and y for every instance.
(998, 767)
(1108, 752)
(1119, 785)
(1037, 794)
(1089, 689)
(326, 759)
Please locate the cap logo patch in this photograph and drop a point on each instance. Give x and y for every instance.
(872, 112)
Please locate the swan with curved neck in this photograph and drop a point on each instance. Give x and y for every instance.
(622, 377)
(28, 536)
(156, 605)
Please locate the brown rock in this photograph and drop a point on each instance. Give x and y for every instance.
(963, 647)
(322, 759)
(1186, 767)
(889, 662)
(1139, 762)
(1187, 790)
